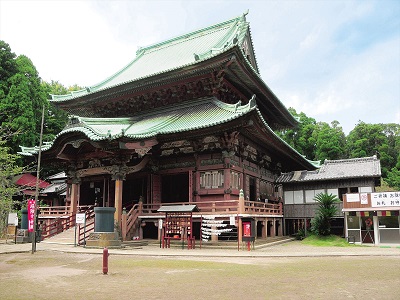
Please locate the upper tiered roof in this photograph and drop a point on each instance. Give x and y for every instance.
(225, 48)
(175, 53)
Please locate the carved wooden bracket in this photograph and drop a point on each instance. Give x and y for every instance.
(117, 171)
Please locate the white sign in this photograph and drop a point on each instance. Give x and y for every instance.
(352, 198)
(160, 223)
(364, 198)
(80, 218)
(386, 199)
(13, 219)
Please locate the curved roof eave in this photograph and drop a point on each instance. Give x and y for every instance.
(214, 50)
(312, 165)
(84, 128)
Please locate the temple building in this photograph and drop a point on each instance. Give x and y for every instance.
(189, 121)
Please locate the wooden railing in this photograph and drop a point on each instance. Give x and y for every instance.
(130, 220)
(221, 207)
(256, 207)
(56, 226)
(59, 210)
(85, 229)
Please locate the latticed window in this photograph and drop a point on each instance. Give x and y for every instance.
(211, 180)
(235, 180)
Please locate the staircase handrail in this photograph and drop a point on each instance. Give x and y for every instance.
(88, 227)
(57, 226)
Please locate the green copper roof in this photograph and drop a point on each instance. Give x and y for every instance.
(188, 116)
(172, 54)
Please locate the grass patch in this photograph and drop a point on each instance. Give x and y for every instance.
(326, 241)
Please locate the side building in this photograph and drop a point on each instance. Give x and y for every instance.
(337, 177)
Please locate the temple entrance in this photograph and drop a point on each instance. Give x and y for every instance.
(91, 192)
(175, 188)
(150, 231)
(134, 187)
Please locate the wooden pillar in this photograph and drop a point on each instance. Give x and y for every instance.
(240, 211)
(280, 228)
(227, 178)
(118, 201)
(74, 198)
(240, 230)
(190, 174)
(264, 231)
(273, 228)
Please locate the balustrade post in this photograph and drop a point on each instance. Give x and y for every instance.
(124, 224)
(241, 202)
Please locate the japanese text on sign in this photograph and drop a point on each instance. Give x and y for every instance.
(31, 214)
(385, 199)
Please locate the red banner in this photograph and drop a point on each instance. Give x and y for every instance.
(31, 214)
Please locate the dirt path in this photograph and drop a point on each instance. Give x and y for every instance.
(56, 275)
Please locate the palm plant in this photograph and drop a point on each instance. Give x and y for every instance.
(321, 223)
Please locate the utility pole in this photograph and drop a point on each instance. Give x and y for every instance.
(37, 185)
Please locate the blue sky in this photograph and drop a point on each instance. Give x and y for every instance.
(332, 60)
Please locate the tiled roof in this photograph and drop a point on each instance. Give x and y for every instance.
(57, 176)
(172, 54)
(54, 188)
(337, 169)
(28, 180)
(187, 116)
(184, 117)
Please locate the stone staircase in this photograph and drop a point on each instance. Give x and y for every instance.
(65, 238)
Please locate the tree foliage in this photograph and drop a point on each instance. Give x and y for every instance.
(329, 141)
(8, 169)
(301, 138)
(319, 141)
(22, 105)
(326, 211)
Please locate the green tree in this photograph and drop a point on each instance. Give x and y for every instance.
(23, 105)
(327, 209)
(301, 138)
(8, 168)
(8, 67)
(375, 139)
(55, 118)
(393, 178)
(329, 141)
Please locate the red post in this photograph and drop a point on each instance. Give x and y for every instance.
(105, 261)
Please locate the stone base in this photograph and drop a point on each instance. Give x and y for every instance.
(23, 236)
(103, 239)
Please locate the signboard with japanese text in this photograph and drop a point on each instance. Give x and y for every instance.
(386, 199)
(13, 219)
(31, 214)
(80, 218)
(364, 198)
(352, 197)
(246, 229)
